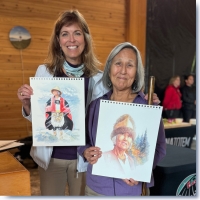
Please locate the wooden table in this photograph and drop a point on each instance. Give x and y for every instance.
(180, 125)
(14, 177)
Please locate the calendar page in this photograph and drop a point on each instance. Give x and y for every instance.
(127, 137)
(58, 111)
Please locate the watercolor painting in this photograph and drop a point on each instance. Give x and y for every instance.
(128, 142)
(20, 37)
(58, 111)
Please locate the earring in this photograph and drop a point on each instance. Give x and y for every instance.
(134, 86)
(109, 84)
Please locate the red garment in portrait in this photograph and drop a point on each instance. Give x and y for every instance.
(63, 107)
(61, 112)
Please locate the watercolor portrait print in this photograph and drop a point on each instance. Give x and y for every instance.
(128, 141)
(128, 150)
(58, 112)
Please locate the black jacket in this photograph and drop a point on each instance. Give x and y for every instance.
(188, 97)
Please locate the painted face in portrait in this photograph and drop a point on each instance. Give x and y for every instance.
(124, 141)
(56, 93)
(72, 43)
(123, 69)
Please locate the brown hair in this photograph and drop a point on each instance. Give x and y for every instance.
(55, 60)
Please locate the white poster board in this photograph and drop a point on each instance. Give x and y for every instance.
(140, 153)
(58, 121)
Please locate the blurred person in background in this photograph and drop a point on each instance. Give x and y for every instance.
(189, 98)
(172, 99)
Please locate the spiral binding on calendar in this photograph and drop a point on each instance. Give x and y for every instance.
(132, 104)
(54, 78)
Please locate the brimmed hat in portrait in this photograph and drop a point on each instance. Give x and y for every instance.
(57, 89)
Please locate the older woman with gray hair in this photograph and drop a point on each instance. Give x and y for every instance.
(124, 76)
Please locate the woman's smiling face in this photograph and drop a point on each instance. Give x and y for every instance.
(72, 42)
(123, 69)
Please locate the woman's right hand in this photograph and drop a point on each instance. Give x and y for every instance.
(130, 182)
(92, 154)
(24, 94)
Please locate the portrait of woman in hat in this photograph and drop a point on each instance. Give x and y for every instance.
(58, 114)
(122, 137)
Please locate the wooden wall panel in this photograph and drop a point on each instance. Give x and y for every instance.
(136, 25)
(107, 22)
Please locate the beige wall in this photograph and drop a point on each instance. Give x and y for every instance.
(108, 22)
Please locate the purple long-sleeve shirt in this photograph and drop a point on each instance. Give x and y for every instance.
(114, 186)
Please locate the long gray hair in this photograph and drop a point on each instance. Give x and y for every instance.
(139, 80)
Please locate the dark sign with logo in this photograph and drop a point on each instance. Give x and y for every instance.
(187, 186)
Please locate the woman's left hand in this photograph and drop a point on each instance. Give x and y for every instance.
(156, 100)
(130, 182)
